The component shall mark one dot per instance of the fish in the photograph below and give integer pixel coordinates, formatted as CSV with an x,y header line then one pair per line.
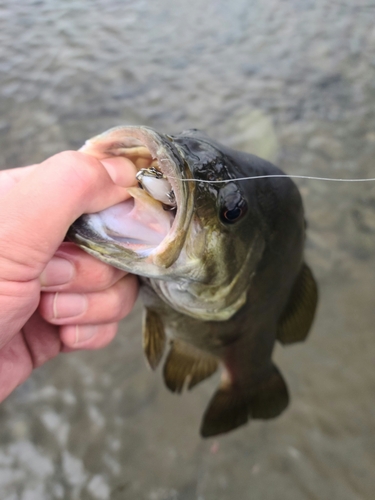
x,y
220,261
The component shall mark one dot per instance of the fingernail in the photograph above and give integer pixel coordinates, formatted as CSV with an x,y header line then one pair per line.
x,y
69,305
58,271
85,332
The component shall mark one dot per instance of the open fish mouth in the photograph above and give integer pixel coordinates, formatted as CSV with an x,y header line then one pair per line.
x,y
152,222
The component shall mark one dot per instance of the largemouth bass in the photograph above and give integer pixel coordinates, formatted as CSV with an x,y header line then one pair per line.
x,y
220,263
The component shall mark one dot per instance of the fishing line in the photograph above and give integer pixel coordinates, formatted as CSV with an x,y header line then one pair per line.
x,y
291,176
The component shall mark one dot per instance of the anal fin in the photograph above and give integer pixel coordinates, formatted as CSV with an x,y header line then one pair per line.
x,y
231,406
187,365
154,338
298,315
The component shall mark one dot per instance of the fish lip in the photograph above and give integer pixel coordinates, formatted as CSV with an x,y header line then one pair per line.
x,y
173,166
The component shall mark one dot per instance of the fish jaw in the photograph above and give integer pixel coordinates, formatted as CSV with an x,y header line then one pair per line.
x,y
138,235
139,221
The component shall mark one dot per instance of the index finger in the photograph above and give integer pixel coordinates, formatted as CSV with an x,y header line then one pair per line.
x,y
36,214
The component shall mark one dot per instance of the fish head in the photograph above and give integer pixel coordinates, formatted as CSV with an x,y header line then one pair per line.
x,y
225,237
141,235
204,247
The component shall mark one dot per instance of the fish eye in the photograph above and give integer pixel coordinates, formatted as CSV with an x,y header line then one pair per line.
x,y
233,205
231,215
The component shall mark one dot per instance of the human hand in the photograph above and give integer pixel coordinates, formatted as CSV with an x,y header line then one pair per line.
x,y
54,296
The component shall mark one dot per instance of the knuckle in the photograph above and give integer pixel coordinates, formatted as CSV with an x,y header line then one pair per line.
x,y
86,170
121,300
130,289
121,308
103,275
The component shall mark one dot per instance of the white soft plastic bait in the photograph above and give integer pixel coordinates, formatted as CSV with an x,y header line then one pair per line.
x,y
156,185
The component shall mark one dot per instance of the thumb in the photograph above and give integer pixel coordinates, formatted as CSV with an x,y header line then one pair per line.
x,y
37,212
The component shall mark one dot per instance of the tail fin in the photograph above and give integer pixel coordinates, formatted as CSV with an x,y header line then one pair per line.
x,y
232,406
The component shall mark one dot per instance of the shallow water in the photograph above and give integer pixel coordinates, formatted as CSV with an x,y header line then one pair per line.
x,y
291,81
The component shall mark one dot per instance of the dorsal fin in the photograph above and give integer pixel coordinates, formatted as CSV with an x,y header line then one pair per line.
x,y
153,337
187,365
296,320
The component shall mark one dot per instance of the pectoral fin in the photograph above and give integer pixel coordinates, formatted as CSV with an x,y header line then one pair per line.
x,y
232,406
187,365
296,320
153,337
